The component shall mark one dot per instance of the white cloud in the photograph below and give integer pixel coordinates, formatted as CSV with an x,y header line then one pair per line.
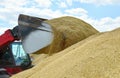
x,y
12,3
63,4
77,11
101,2
9,12
104,24
108,23
10,9
3,29
69,2
44,3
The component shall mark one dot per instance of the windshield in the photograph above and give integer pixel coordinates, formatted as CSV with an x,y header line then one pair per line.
x,y
19,54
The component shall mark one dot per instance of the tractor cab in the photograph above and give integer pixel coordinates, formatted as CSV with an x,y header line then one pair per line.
x,y
14,59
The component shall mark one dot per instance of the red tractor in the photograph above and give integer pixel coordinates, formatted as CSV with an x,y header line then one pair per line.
x,y
13,58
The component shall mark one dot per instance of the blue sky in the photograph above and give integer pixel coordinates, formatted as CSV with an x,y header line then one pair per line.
x,y
104,15
99,12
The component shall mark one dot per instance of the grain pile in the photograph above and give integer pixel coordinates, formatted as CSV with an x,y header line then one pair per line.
x,y
67,31
36,58
95,57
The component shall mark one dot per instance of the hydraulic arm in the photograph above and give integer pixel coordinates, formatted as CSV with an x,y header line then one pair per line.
x,y
8,37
